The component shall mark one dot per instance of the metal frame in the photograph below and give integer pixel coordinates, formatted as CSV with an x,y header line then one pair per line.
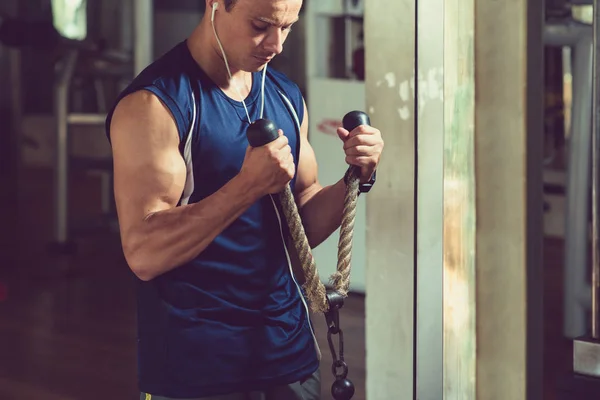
x,y
429,90
61,206
577,295
143,18
62,159
595,171
586,349
534,231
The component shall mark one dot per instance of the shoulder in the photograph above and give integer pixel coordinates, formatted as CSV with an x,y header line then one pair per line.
x,y
142,113
169,79
283,81
164,85
140,103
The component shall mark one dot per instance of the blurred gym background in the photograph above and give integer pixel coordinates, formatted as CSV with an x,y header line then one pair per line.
x,y
67,306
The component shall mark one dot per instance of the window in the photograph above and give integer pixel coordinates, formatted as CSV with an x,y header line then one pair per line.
x,y
70,18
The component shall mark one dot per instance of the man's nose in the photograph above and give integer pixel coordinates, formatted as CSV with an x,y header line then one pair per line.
x,y
274,42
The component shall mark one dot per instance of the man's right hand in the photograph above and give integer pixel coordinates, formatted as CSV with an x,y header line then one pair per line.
x,y
270,167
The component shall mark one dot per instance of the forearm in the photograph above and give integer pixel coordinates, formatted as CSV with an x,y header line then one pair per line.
x,y
322,212
167,239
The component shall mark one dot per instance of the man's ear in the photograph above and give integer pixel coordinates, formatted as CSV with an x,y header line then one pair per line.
x,y
214,5
209,6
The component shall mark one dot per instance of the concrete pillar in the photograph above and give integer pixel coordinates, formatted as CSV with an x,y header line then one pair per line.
x,y
454,227
460,312
508,159
390,243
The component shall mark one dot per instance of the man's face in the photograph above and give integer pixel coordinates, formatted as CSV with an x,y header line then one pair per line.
x,y
253,31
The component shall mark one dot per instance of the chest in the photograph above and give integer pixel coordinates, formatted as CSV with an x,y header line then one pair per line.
x,y
219,143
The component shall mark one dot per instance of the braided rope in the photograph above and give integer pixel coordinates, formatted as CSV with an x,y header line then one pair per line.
x,y
315,290
340,280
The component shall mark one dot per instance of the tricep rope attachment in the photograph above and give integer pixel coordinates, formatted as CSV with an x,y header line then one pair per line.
x,y
328,302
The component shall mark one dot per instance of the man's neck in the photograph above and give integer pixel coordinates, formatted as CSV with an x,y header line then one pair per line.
x,y
208,56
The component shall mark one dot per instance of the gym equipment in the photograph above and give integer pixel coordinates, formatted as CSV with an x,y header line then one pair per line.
x,y
586,349
94,60
578,38
331,301
99,66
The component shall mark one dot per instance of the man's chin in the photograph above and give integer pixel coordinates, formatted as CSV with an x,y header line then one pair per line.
x,y
257,65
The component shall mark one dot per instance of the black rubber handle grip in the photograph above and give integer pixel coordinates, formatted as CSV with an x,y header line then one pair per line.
x,y
354,119
261,132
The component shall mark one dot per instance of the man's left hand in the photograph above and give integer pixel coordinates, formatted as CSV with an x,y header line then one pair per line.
x,y
363,147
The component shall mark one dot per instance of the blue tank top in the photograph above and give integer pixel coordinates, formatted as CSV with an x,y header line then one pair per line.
x,y
234,318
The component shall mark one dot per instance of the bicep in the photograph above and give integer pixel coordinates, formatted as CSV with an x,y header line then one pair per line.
x,y
307,183
149,172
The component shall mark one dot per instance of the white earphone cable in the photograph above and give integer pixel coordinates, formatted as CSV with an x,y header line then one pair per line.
x,y
212,20
262,106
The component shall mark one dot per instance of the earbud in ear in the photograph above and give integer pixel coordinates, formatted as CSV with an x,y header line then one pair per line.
x,y
214,8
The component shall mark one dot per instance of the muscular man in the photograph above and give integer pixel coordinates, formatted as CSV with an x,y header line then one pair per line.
x,y
220,313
